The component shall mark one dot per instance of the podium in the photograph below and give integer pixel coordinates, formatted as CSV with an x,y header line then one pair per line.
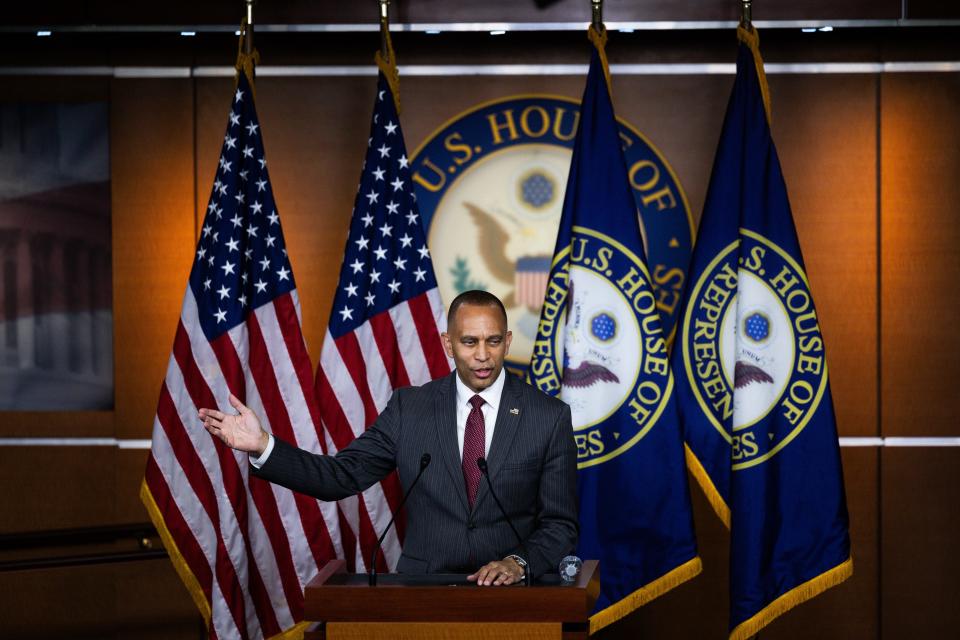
x,y
447,606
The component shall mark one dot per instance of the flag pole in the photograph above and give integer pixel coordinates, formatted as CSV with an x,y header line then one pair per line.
x,y
247,57
747,34
597,33
248,30
746,24
385,58
596,11
386,48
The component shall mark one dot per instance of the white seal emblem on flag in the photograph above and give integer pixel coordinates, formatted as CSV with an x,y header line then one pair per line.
x,y
752,346
609,356
601,338
490,185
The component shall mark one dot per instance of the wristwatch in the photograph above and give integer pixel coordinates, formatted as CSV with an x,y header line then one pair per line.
x,y
520,561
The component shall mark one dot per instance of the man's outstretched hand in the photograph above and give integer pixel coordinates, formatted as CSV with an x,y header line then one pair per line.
x,y
241,431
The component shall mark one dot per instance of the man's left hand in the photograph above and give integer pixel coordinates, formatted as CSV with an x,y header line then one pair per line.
x,y
498,572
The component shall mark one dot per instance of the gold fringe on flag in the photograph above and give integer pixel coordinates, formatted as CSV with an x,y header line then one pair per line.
x,y
801,593
748,35
645,594
599,40
189,580
179,564
387,62
706,485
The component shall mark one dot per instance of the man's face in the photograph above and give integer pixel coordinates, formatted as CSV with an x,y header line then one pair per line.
x,y
478,341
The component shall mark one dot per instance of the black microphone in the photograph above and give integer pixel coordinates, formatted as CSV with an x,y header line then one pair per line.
x,y
482,465
424,463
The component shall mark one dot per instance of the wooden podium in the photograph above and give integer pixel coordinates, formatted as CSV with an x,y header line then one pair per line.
x,y
447,606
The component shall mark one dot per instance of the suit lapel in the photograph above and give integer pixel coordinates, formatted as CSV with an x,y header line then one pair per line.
x,y
446,412
504,431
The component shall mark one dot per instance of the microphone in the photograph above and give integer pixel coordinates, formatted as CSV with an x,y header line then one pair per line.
x,y
482,465
372,576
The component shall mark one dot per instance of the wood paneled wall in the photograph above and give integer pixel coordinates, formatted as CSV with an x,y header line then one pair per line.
x,y
871,163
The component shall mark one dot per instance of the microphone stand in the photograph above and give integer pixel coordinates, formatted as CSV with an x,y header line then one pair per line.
x,y
372,575
482,465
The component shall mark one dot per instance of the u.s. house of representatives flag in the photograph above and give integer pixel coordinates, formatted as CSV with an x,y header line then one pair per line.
x,y
385,325
752,376
243,547
600,347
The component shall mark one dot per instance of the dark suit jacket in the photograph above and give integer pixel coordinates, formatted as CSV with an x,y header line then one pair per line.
x,y
532,465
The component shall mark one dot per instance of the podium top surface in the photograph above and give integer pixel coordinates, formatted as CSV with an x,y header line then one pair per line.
x,y
337,596
433,580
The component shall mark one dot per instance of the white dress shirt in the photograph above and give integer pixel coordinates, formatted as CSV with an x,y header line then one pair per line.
x,y
259,462
491,403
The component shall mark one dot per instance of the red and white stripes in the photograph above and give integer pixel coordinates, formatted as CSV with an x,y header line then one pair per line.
x,y
249,545
358,372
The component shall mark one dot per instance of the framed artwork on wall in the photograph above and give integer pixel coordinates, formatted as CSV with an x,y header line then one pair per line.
x,y
56,318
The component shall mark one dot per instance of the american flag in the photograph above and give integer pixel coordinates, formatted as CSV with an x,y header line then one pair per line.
x,y
385,324
243,547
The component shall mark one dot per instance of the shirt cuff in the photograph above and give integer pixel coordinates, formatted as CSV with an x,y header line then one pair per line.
x,y
259,462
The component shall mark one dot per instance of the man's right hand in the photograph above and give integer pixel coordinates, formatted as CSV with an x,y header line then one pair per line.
x,y
241,431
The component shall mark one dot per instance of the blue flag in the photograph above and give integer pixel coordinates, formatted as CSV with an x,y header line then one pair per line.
x,y
752,376
600,347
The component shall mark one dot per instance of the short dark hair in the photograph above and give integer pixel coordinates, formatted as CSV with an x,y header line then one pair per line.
x,y
477,298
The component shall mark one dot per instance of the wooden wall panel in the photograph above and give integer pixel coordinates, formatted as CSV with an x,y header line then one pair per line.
x,y
77,487
129,466
153,604
59,603
138,601
920,161
56,488
51,424
153,236
825,131
920,526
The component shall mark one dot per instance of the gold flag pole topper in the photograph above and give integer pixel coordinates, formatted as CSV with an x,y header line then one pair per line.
x,y
248,36
598,36
596,13
247,57
386,59
748,35
746,11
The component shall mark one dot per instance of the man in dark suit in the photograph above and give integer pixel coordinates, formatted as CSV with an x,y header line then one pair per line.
x,y
479,410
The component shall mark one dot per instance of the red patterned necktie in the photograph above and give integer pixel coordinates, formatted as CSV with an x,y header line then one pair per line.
x,y
473,448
